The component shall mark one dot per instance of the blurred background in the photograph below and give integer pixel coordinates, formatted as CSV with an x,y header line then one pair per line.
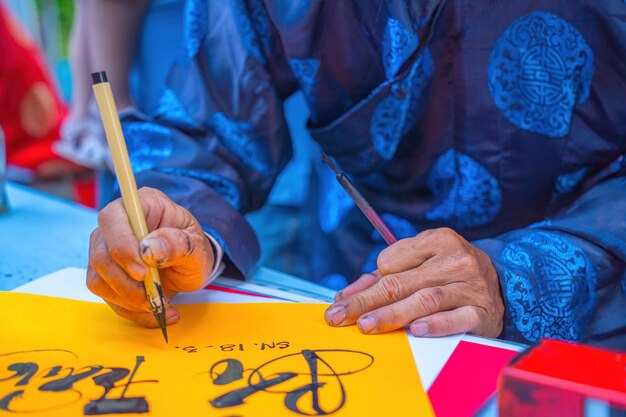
x,y
52,131
49,22
37,33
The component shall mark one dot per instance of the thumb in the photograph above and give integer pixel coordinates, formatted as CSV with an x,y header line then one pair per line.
x,y
186,251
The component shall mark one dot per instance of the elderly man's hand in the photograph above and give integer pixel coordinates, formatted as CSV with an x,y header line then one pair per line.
x,y
118,262
436,282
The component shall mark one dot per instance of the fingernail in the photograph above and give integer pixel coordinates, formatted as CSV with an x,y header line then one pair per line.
x,y
136,271
419,328
335,315
172,315
338,295
156,248
366,324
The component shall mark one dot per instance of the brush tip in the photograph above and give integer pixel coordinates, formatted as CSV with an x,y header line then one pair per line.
x,y
160,318
330,163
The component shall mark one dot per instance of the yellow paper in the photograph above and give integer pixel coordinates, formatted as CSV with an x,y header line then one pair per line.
x,y
71,358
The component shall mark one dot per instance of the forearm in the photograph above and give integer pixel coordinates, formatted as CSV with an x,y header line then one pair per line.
x,y
115,27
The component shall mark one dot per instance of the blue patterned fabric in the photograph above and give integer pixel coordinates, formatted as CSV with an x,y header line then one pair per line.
x,y
305,71
467,194
254,27
238,136
401,228
147,144
398,112
223,186
471,133
170,108
334,203
549,285
567,183
292,12
196,20
398,44
540,69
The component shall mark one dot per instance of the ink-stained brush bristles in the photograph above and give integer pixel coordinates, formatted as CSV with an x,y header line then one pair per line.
x,y
162,324
361,202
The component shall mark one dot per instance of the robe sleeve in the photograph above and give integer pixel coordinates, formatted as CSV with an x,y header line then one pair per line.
x,y
564,277
219,138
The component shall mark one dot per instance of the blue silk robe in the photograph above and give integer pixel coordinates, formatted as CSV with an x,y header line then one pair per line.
x,y
503,119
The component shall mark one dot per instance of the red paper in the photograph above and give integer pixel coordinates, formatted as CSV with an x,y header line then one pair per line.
x,y
468,379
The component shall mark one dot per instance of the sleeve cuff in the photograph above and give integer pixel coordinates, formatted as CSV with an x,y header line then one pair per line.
x,y
218,260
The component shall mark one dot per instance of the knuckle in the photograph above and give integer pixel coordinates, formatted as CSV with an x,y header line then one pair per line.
x,y
149,193
122,312
442,325
430,300
94,237
94,283
384,261
361,303
105,214
134,298
391,287
444,236
120,253
98,258
427,234
473,317
465,262
446,233
396,316
145,320
146,191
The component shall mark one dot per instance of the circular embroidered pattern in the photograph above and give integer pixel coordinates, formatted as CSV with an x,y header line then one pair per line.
x,y
540,69
549,286
468,195
396,114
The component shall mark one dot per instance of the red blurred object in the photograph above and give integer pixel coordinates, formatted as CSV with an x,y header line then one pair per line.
x,y
32,111
556,378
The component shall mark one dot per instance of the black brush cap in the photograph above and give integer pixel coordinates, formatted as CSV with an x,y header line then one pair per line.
x,y
99,77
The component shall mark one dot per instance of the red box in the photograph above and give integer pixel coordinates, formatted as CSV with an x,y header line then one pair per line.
x,y
556,378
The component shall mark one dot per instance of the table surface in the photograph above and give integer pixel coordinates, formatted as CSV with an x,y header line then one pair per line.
x,y
34,241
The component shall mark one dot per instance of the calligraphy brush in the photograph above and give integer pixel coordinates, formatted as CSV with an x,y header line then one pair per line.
x,y
128,188
361,202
